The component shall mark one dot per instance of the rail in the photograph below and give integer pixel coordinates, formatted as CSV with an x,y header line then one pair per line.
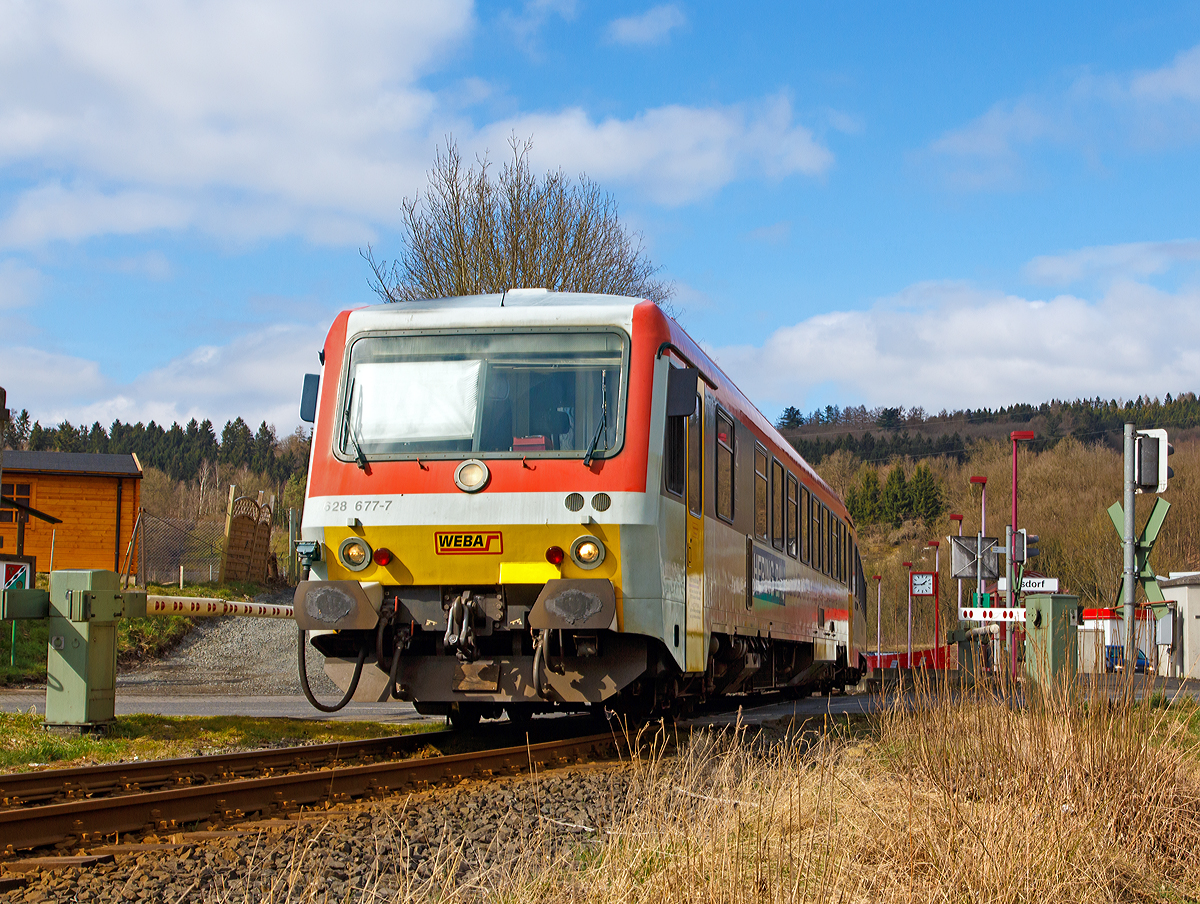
x,y
22,789
90,820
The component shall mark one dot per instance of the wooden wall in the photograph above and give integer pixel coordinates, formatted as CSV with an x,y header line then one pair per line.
x,y
88,536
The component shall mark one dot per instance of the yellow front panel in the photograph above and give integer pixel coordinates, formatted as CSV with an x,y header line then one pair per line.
x,y
469,554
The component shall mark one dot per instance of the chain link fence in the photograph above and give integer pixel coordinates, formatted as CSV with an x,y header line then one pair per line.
x,y
167,544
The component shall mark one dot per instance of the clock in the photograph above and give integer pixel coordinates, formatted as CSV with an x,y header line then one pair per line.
x,y
924,583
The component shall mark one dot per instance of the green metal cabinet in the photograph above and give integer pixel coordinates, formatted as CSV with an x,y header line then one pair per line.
x,y
1051,639
81,665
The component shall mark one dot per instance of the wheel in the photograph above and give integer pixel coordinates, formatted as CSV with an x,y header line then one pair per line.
x,y
464,718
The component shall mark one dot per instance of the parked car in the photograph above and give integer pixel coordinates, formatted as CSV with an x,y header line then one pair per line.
x,y
1114,659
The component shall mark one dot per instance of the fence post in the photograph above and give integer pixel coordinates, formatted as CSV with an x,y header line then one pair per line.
x,y
145,581
293,536
228,527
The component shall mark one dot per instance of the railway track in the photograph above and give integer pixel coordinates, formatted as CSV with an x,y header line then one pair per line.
x,y
221,797
24,789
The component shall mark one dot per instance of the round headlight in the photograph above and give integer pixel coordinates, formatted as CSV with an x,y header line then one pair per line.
x,y
354,553
587,551
471,476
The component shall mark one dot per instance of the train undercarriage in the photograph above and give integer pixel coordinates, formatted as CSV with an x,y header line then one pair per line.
x,y
480,652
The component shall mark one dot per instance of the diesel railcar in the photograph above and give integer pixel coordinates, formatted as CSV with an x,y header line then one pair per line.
x,y
536,500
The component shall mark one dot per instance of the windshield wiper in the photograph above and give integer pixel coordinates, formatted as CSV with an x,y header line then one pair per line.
x,y
600,428
591,451
358,452
359,458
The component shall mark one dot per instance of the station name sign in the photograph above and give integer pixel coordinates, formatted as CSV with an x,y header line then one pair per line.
x,y
1031,585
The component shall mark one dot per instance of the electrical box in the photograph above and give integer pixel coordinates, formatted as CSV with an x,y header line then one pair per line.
x,y
81,664
1052,623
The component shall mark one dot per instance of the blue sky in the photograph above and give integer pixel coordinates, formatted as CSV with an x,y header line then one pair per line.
x,y
858,203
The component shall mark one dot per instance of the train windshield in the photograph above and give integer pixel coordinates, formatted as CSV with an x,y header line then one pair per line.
x,y
553,394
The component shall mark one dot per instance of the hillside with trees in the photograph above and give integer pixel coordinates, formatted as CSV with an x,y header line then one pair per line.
x,y
881,434
1064,491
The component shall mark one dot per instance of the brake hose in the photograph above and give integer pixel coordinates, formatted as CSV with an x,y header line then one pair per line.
x,y
301,645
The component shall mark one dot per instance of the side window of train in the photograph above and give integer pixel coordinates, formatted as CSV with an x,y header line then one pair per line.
x,y
792,519
674,456
837,548
830,544
760,492
819,542
777,515
695,451
805,526
841,549
724,467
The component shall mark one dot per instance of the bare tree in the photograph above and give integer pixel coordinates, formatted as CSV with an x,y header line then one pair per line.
x,y
472,235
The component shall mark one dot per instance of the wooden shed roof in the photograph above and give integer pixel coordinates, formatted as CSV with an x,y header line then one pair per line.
x,y
80,463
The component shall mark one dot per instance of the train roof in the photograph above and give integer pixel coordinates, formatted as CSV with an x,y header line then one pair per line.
x,y
514,307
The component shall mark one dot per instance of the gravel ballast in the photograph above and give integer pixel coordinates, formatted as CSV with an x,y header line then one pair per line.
x,y
233,655
381,850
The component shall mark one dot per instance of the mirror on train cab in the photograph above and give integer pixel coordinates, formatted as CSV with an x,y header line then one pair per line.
x,y
681,391
308,398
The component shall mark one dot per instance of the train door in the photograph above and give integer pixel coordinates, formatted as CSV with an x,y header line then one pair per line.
x,y
694,656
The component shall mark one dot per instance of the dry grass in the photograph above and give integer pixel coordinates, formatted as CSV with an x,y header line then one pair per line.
x,y
955,799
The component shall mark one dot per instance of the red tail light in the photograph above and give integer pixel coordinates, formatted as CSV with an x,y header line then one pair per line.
x,y
382,556
555,555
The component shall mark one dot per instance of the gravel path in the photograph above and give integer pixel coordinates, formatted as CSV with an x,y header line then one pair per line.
x,y
387,850
233,655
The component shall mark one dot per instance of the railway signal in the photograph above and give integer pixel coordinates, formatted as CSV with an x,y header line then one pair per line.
x,y
1151,471
1146,471
1023,545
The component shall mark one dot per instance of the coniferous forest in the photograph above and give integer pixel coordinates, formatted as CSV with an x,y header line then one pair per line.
x,y
178,451
882,434
185,465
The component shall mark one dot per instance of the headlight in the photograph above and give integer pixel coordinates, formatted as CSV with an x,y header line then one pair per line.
x,y
471,476
587,551
354,553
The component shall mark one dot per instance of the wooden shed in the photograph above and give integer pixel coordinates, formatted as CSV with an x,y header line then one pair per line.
x,y
95,496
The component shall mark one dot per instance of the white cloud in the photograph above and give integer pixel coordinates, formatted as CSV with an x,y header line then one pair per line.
x,y
279,118
526,26
19,284
1178,81
1140,111
953,345
673,154
986,152
52,211
652,27
255,376
1133,259
167,113
775,234
996,133
152,264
